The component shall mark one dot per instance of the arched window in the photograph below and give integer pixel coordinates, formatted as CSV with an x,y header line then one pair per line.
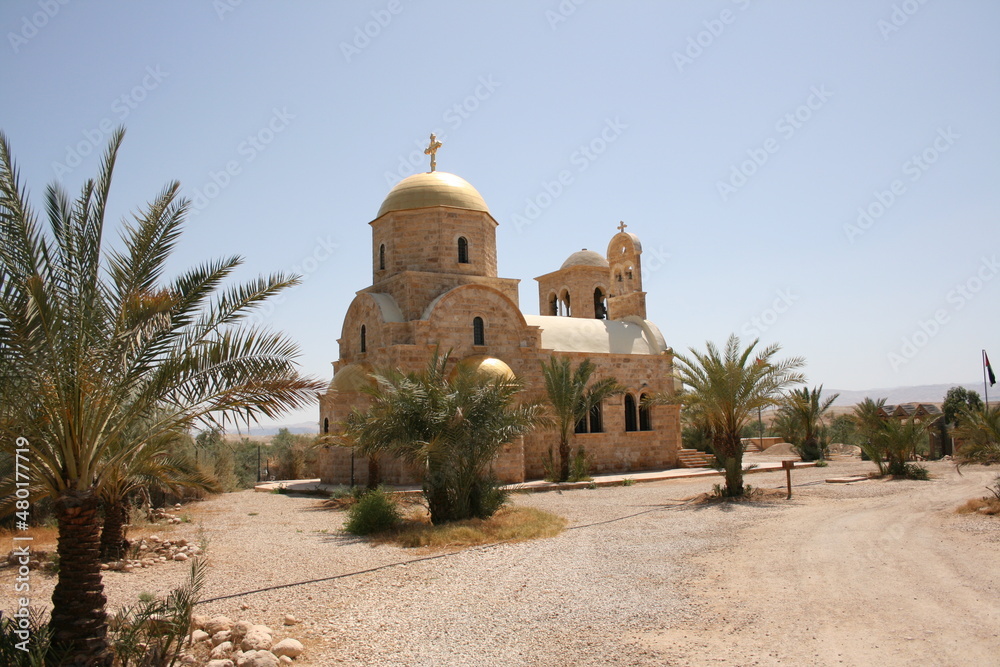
x,y
645,424
553,304
628,273
581,426
381,257
463,250
596,419
618,276
630,414
566,307
326,425
478,332
600,305
364,339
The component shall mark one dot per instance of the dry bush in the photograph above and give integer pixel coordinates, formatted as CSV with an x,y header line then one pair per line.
x,y
510,524
987,505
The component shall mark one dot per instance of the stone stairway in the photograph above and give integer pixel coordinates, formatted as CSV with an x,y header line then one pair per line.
x,y
692,458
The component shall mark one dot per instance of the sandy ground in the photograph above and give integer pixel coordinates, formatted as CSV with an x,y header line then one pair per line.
x,y
876,572
881,572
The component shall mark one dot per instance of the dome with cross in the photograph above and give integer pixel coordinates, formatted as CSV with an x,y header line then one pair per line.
x,y
434,188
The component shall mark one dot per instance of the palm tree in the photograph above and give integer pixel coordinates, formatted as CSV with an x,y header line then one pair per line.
x,y
805,410
729,386
786,427
696,432
868,418
94,341
154,465
979,428
572,397
901,439
889,442
453,426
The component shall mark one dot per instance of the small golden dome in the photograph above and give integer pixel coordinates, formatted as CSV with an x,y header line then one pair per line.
x,y
353,377
435,188
485,364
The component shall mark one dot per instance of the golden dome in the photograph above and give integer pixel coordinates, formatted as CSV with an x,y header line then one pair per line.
x,y
353,377
585,258
485,364
434,188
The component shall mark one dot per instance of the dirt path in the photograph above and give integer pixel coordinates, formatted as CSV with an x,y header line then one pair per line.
x,y
875,573
878,573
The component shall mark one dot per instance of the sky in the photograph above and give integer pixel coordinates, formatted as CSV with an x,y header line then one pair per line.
x,y
822,175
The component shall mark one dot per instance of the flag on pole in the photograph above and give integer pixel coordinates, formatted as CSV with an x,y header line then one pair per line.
x,y
989,369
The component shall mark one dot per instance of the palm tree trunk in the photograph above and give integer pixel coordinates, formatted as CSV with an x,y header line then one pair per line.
x,y
79,623
374,474
732,459
113,543
563,459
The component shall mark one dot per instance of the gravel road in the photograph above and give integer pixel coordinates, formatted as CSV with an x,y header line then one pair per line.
x,y
878,571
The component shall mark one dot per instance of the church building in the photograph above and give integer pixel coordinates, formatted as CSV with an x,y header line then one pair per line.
x,y
435,287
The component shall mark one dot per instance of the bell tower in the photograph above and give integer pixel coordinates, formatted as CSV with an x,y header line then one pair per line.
x,y
626,297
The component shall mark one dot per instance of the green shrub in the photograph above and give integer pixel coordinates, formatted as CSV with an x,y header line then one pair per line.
x,y
914,471
152,632
375,512
822,463
27,646
486,498
694,437
579,467
339,492
549,467
811,450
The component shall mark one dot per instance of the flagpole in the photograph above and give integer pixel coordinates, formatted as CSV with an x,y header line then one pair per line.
x,y
986,391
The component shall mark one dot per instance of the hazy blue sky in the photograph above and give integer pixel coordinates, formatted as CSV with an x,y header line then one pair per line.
x,y
820,174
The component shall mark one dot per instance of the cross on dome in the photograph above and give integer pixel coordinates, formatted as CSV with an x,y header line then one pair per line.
x,y
622,226
432,149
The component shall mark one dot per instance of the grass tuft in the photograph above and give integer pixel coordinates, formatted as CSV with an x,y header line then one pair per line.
x,y
510,524
986,505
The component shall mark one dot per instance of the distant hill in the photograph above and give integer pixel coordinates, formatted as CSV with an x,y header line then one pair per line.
x,y
927,393
306,428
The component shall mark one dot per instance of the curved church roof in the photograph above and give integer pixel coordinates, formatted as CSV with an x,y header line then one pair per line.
x,y
585,258
577,334
434,188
